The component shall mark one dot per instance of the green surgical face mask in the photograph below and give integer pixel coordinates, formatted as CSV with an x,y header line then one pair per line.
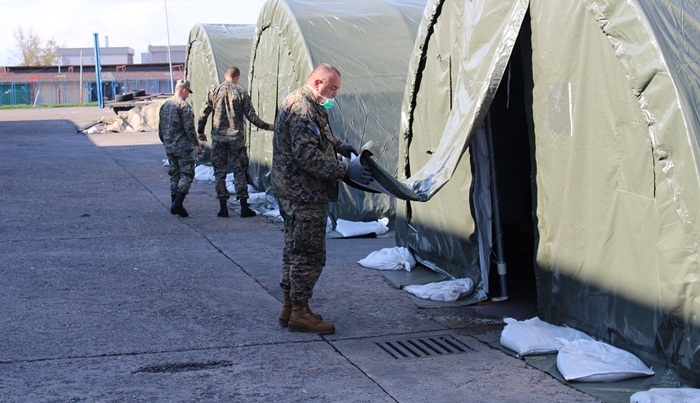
x,y
329,101
328,104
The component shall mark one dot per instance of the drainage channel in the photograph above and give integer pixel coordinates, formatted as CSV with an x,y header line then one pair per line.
x,y
424,347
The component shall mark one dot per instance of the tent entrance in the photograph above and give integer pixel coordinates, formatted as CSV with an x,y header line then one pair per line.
x,y
511,131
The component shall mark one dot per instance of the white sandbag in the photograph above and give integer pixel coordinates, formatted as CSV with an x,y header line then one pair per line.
x,y
357,228
667,395
535,336
203,173
447,291
396,258
595,361
257,198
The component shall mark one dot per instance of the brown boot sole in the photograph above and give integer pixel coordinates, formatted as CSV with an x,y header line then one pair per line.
x,y
284,322
299,328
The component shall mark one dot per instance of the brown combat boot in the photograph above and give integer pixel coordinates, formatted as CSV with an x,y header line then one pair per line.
x,y
303,320
287,311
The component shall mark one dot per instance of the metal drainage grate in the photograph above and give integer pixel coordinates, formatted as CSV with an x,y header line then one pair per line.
x,y
183,367
424,347
120,150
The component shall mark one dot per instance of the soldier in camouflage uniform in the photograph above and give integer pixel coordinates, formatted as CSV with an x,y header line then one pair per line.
x,y
229,102
305,174
176,131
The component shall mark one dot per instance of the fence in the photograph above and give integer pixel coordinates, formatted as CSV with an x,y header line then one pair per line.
x,y
59,89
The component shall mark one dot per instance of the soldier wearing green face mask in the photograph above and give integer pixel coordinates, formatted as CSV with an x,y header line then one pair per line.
x,y
305,174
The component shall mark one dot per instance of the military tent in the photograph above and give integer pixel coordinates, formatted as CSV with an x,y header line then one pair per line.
x,y
211,50
370,42
590,109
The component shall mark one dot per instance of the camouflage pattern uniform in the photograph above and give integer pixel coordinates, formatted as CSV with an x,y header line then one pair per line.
x,y
176,131
229,103
305,173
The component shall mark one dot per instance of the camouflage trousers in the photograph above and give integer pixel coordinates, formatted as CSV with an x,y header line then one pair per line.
x,y
304,253
181,172
236,153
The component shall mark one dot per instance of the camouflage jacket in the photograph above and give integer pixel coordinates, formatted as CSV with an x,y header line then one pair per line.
x,y
229,103
304,162
176,127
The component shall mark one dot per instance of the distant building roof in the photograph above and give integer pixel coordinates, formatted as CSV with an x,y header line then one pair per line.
x,y
103,51
173,48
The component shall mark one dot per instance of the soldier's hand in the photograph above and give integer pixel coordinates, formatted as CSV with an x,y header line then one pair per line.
x,y
346,150
359,173
199,150
271,126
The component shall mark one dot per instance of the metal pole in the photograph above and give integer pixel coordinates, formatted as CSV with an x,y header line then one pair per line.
x,y
80,88
36,98
98,73
500,255
167,30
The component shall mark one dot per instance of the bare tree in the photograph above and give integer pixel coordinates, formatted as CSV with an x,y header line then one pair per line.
x,y
32,51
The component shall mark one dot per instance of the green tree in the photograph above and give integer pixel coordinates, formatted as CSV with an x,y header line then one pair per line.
x,y
32,50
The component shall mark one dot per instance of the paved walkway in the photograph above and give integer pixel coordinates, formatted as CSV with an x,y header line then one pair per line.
x,y
107,297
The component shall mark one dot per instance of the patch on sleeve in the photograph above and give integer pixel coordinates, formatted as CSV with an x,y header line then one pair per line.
x,y
315,129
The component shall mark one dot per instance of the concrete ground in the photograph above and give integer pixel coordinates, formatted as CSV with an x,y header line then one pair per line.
x,y
107,297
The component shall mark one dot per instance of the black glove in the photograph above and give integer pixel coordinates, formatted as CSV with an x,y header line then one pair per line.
x,y
346,149
359,173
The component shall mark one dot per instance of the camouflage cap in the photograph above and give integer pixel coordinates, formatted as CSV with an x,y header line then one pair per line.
x,y
184,84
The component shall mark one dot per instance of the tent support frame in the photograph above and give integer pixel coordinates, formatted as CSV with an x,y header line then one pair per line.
x,y
500,255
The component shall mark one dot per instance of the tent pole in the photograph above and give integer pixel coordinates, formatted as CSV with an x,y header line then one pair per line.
x,y
500,256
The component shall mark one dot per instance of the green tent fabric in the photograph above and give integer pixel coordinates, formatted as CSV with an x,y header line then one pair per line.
x,y
370,42
211,50
608,95
618,183
446,100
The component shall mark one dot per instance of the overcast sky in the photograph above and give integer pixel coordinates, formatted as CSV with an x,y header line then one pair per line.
x,y
131,23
